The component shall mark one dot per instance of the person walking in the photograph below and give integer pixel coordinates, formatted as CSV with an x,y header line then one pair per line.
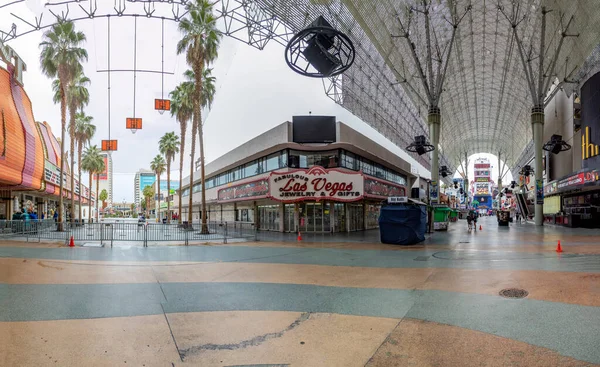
x,y
474,215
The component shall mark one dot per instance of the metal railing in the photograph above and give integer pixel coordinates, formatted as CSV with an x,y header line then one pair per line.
x,y
127,232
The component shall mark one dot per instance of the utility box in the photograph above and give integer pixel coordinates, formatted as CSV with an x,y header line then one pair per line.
x,y
402,221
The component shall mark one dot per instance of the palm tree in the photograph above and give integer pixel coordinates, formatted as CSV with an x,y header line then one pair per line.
x,y
200,43
61,57
93,163
148,194
169,146
158,166
84,132
103,197
182,109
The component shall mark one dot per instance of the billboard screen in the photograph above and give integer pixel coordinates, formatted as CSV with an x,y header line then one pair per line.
x,y
146,181
313,129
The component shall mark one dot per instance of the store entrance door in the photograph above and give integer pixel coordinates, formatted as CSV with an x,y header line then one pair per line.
x,y
314,217
356,217
268,217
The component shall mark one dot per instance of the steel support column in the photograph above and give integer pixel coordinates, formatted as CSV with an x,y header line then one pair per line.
x,y
537,123
434,119
500,169
466,180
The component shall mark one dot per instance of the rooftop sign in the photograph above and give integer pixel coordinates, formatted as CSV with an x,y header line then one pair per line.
x,y
316,183
14,62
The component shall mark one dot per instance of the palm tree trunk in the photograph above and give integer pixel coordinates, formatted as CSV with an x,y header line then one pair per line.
x,y
79,148
158,206
181,170
97,196
194,129
90,201
201,142
63,123
168,189
72,141
197,109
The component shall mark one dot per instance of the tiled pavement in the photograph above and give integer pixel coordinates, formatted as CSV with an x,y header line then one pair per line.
x,y
328,301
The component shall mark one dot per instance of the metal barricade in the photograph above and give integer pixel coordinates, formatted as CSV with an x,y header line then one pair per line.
x,y
125,232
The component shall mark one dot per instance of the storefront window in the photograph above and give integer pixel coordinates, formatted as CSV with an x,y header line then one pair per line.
x,y
250,169
349,161
273,162
283,159
307,160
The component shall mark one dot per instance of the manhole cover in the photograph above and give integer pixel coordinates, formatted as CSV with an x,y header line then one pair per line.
x,y
514,293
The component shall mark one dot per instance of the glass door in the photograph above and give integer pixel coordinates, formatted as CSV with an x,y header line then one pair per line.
x,y
327,217
288,218
356,217
339,214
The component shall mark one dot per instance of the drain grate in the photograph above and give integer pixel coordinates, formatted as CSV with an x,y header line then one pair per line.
x,y
422,258
514,293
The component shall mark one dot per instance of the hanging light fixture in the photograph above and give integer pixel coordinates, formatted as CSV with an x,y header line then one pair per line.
x,y
320,46
420,145
526,171
444,171
556,145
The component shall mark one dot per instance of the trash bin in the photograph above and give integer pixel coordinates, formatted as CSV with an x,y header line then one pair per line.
x,y
441,218
403,223
503,217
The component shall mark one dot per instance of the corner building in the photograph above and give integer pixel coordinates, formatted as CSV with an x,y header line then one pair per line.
x,y
311,175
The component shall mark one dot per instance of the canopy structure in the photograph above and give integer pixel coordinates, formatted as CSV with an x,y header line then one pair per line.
x,y
459,55
485,99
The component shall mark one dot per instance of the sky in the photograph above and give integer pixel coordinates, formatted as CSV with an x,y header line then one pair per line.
x,y
255,92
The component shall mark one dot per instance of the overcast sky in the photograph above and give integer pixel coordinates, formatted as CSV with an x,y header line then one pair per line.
x,y
255,92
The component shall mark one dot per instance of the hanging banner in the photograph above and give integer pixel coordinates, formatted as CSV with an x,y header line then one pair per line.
x,y
539,191
316,183
433,192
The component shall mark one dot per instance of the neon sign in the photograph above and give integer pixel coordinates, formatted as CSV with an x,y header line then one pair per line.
x,y
10,57
588,150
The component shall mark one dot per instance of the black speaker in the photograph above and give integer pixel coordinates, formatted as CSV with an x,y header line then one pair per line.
x,y
317,55
325,39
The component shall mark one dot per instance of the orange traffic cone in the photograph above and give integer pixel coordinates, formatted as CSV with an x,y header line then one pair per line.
x,y
480,227
559,247
71,242
299,237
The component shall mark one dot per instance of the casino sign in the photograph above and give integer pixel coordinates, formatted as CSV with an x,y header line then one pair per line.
x,y
316,183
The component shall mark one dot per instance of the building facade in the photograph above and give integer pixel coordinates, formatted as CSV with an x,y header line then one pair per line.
x,y
482,183
571,193
142,179
106,178
296,177
30,154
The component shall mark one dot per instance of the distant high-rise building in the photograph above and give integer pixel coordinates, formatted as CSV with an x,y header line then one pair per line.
x,y
481,186
106,178
142,179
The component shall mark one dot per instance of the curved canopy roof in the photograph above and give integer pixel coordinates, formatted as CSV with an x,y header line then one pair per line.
x,y
485,98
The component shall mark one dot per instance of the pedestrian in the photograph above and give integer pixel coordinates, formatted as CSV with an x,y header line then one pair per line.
x,y
469,222
474,216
